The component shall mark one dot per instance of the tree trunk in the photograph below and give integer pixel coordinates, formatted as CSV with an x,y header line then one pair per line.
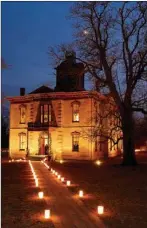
x,y
129,158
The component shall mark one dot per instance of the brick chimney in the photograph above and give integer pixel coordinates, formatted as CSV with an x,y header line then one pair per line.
x,y
22,91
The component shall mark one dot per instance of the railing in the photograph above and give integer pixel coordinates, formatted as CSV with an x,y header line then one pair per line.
x,y
38,125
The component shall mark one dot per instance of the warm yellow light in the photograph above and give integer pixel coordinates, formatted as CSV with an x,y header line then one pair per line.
x,y
100,210
68,183
36,181
61,161
98,162
56,173
62,179
59,176
9,160
40,194
47,214
81,193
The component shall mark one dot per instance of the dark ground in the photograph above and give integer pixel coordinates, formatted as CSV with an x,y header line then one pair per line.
x,y
20,205
122,190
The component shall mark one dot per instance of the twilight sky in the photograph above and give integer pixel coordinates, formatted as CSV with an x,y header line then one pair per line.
x,y
28,29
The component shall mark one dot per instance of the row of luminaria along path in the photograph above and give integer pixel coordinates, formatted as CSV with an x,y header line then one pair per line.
x,y
47,213
100,209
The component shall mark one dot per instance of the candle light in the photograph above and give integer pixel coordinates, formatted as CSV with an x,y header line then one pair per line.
x,y
98,162
40,194
36,181
62,179
59,177
80,193
47,214
100,210
68,183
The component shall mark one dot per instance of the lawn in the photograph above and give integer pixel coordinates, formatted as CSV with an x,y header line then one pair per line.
x,y
21,207
122,190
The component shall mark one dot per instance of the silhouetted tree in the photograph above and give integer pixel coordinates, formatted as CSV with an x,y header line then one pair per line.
x,y
110,41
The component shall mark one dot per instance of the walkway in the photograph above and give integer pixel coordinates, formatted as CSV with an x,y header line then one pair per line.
x,y
66,211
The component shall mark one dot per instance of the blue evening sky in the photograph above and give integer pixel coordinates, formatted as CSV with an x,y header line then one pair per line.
x,y
28,29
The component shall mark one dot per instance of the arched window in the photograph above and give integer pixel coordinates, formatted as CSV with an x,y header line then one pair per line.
x,y
75,111
22,141
22,114
75,141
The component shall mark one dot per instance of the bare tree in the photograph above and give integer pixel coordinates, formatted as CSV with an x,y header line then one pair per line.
x,y
110,41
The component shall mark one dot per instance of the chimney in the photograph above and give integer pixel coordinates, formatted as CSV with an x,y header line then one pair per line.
x,y
22,91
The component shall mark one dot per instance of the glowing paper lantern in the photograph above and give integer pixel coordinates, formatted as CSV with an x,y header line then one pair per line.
x,y
80,193
36,181
40,194
47,214
62,179
68,183
100,210
98,162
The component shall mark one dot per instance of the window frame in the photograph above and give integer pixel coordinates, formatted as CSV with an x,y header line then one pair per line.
x,y
75,138
75,110
22,140
22,106
42,113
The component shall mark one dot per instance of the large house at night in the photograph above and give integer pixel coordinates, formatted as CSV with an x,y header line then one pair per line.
x,y
52,120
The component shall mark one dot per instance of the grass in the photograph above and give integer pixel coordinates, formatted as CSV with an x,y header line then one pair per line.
x,y
20,205
122,190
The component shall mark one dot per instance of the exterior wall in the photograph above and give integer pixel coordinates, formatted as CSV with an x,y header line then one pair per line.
x,y
15,129
62,145
61,132
14,149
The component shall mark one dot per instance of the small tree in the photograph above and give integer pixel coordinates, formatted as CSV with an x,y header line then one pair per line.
x,y
110,41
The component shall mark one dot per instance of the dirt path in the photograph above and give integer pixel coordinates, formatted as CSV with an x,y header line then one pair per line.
x,y
66,211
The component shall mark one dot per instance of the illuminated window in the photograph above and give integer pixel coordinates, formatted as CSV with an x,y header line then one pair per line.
x,y
22,141
75,141
22,114
46,113
75,111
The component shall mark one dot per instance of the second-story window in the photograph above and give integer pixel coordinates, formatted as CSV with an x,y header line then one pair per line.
x,y
22,114
46,113
75,111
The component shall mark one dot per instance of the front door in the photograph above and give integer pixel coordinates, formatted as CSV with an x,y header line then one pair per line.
x,y
43,143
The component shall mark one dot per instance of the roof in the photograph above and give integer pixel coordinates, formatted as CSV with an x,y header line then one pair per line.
x,y
42,89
